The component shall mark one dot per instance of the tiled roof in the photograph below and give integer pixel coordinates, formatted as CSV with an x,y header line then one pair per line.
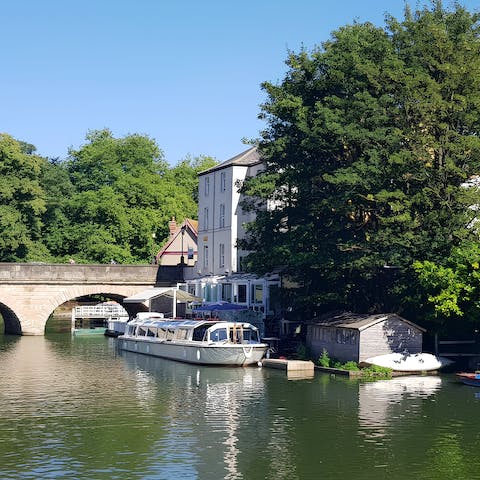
x,y
247,158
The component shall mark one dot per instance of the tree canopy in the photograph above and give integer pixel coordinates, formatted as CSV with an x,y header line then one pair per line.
x,y
22,200
111,199
369,139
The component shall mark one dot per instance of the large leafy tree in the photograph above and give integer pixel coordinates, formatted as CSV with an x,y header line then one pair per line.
x,y
22,201
123,195
115,211
368,141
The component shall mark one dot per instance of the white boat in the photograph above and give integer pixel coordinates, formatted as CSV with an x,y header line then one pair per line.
x,y
194,341
409,362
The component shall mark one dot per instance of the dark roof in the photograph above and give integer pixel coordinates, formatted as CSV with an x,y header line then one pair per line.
x,y
357,321
246,159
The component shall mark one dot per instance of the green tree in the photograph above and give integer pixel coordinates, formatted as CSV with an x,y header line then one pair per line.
x,y
451,289
58,188
123,193
22,201
368,141
185,175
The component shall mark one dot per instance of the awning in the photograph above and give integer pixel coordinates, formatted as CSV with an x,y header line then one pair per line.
x,y
180,295
215,306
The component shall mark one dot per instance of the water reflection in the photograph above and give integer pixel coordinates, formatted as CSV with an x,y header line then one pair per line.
x,y
221,398
75,408
378,399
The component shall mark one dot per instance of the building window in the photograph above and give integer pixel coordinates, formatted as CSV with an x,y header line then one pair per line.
x,y
205,218
207,186
227,292
223,181
221,258
257,293
205,256
241,296
222,215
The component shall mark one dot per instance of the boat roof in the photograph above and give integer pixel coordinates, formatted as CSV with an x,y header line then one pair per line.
x,y
172,324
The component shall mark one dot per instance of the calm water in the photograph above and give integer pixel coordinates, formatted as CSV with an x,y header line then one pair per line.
x,y
77,408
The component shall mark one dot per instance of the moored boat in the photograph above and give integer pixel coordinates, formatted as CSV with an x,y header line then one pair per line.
x,y
409,362
194,341
472,379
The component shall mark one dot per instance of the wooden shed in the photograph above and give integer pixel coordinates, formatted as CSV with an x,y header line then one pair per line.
x,y
352,336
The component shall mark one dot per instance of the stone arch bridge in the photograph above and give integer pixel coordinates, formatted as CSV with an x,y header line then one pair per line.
x,y
29,293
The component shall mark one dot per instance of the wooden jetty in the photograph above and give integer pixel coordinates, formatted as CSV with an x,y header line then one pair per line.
x,y
296,369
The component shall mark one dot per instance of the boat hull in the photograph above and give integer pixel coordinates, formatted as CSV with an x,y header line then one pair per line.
x,y
471,379
89,331
201,353
413,362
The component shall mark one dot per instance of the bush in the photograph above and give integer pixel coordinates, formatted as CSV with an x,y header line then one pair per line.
x,y
376,371
324,359
350,366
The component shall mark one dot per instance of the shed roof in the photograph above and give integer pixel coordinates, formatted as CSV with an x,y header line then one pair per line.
x,y
358,321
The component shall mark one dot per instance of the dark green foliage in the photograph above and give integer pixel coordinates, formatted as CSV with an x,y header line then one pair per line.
x,y
369,139
22,201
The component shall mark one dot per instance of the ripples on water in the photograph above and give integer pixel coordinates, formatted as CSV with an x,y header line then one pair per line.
x,y
77,408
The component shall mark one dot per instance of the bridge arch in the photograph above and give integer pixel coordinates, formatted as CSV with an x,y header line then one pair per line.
x,y
11,321
107,292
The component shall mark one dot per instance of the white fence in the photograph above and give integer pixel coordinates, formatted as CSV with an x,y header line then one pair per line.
x,y
106,311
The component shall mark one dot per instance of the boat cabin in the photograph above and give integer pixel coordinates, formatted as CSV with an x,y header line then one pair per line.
x,y
193,330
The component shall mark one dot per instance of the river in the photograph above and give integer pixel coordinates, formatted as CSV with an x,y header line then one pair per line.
x,y
78,408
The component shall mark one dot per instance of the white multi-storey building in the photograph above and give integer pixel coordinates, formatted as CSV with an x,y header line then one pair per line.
x,y
219,275
221,219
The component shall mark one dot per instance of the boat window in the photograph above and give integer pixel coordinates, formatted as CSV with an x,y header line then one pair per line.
x,y
250,336
161,333
170,334
199,333
142,331
182,334
218,335
151,332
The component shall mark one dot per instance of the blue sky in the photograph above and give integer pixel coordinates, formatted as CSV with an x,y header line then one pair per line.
x,y
186,73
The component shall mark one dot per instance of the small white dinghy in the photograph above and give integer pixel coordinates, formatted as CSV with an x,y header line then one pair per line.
x,y
409,362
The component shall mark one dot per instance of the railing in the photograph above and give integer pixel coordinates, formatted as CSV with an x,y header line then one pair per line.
x,y
100,311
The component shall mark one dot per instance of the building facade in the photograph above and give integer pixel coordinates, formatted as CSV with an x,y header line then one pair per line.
x,y
181,247
219,274
350,336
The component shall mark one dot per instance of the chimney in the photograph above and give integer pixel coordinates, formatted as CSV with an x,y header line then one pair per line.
x,y
172,226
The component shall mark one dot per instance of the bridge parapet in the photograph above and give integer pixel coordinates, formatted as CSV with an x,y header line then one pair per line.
x,y
55,273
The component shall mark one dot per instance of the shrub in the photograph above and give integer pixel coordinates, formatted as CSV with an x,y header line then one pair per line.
x,y
351,365
376,371
324,359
